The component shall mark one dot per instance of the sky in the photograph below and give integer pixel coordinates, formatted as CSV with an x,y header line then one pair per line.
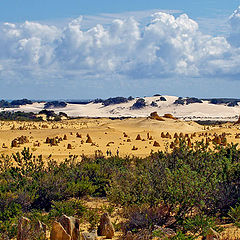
x,y
97,49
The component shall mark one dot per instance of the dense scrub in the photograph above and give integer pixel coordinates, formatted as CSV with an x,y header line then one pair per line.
x,y
112,101
18,116
187,101
52,116
54,104
230,102
14,103
23,116
187,190
140,103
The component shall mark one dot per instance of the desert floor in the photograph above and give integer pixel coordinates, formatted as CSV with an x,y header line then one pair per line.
x,y
108,135
117,136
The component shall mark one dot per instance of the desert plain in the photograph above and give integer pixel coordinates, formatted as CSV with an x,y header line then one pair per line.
x,y
103,136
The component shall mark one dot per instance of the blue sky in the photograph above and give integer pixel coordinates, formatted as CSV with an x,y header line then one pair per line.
x,y
21,10
87,49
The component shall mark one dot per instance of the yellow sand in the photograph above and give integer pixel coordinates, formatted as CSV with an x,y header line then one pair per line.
x,y
106,134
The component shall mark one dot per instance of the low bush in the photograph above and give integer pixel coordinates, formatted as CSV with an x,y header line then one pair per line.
x,y
116,100
234,214
140,103
18,116
71,207
55,104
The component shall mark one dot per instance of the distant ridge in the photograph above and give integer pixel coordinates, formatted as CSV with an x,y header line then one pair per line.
x,y
186,108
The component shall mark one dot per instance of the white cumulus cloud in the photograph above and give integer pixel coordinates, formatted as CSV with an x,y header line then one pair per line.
x,y
166,46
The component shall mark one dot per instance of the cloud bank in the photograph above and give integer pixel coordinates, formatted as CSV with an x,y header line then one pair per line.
x,y
165,47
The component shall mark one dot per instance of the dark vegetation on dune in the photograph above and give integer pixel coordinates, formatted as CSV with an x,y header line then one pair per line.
x,y
163,99
23,116
52,116
14,103
189,190
210,122
112,101
18,116
230,102
140,103
82,102
55,104
188,100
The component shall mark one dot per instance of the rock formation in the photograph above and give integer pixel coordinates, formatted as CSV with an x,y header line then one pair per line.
x,y
78,135
134,148
58,232
168,135
175,135
14,143
168,115
238,121
53,142
172,145
217,140
138,137
125,135
66,228
156,144
89,140
163,135
189,143
105,228
71,225
155,116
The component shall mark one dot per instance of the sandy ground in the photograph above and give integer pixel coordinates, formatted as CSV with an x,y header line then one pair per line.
x,y
106,135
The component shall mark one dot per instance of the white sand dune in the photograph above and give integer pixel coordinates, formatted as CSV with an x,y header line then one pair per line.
x,y
194,111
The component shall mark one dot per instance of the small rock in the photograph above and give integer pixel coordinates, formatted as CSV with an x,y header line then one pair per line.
x,y
89,140
156,144
166,232
89,236
14,143
106,228
138,137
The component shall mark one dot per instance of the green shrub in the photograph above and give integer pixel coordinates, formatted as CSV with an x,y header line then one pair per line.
x,y
145,217
9,219
199,225
234,214
182,236
70,208
92,216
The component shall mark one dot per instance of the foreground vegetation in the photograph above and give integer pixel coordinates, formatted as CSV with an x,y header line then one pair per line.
x,y
189,190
